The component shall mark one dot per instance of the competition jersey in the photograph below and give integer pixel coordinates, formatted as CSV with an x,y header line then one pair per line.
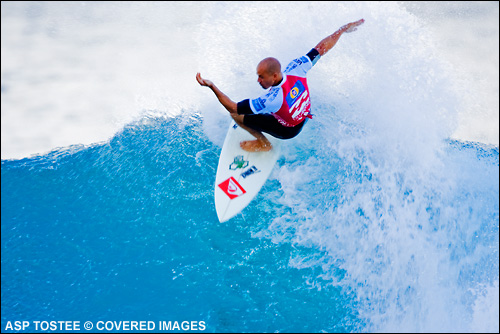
x,y
289,102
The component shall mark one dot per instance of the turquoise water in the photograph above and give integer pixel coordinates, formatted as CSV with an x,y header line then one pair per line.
x,y
127,230
376,218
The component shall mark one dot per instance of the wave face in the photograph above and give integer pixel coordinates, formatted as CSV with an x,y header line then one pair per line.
x,y
372,220
352,241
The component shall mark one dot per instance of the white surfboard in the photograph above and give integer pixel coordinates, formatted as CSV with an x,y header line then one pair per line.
x,y
241,174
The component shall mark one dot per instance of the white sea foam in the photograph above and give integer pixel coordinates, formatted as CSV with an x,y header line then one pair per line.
x,y
371,182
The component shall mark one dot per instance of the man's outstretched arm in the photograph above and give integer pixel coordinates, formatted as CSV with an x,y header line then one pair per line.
x,y
329,42
229,104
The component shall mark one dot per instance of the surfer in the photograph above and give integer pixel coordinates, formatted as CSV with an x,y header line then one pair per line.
x,y
284,109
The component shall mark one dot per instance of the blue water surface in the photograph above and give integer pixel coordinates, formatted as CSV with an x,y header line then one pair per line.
x,y
127,230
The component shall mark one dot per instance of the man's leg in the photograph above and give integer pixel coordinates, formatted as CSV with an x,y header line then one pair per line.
x,y
258,145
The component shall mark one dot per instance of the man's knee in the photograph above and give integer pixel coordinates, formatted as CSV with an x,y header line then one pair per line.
x,y
238,118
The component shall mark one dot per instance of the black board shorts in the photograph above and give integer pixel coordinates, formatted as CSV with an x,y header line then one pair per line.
x,y
266,122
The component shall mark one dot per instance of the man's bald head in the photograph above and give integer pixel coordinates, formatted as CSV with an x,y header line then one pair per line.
x,y
270,65
269,72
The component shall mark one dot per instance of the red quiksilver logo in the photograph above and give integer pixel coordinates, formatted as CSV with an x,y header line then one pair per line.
x,y
232,188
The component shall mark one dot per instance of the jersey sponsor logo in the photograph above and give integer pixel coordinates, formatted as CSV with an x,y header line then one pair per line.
x,y
291,66
259,104
303,59
301,106
295,63
295,93
232,188
271,95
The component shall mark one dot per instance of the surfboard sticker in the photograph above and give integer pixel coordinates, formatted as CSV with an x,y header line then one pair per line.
x,y
238,163
232,188
250,171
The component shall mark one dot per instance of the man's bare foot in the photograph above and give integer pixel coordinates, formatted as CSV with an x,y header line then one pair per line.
x,y
255,146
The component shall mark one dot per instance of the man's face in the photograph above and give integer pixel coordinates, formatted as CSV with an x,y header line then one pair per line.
x,y
265,79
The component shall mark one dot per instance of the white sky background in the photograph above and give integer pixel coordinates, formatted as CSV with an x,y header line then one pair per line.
x,y
77,72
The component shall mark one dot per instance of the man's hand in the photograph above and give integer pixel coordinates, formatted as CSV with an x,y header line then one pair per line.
x,y
229,104
329,42
353,26
203,82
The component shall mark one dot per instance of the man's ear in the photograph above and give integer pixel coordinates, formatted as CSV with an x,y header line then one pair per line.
x,y
276,76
